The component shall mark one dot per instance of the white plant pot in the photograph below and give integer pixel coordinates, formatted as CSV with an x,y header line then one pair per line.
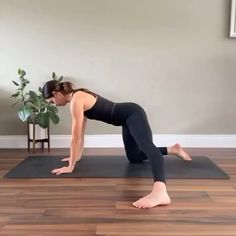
x,y
40,133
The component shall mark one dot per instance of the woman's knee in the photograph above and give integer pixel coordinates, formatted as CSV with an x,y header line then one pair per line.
x,y
137,157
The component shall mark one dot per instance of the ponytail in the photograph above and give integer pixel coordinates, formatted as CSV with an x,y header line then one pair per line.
x,y
65,87
56,86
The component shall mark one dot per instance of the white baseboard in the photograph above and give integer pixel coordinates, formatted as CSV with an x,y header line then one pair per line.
x,y
103,141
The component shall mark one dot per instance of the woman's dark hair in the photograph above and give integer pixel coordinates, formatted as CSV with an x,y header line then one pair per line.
x,y
63,87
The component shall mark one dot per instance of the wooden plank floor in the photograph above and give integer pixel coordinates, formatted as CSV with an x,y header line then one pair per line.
x,y
80,206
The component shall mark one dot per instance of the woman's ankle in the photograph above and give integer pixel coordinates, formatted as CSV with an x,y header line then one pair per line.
x,y
173,150
158,185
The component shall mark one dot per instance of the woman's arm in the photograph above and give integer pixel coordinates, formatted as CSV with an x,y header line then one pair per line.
x,y
81,147
77,134
81,143
77,130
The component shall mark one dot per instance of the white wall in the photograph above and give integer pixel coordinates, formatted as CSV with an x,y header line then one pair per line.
x,y
173,57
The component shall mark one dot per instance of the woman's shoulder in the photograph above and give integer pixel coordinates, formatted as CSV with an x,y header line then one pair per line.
x,y
86,91
83,98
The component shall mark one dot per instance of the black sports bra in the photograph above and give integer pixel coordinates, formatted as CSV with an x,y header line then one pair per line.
x,y
101,110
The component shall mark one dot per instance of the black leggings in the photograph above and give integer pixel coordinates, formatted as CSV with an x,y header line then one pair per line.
x,y
137,138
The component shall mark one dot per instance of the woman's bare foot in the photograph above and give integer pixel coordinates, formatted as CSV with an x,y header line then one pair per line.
x,y
158,196
178,151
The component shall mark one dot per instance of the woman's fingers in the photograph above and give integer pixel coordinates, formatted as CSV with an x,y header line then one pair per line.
x,y
62,170
56,171
66,159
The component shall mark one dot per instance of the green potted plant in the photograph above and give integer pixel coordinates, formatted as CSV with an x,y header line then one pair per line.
x,y
33,108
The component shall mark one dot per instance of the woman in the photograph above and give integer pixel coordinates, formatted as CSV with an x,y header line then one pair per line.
x,y
136,133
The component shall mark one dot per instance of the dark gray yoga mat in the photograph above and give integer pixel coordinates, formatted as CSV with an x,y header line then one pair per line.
x,y
116,166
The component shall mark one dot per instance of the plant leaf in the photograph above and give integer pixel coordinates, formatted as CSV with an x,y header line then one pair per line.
x,y
26,81
33,96
54,117
52,108
24,113
54,76
15,94
40,89
15,83
42,119
60,79
22,74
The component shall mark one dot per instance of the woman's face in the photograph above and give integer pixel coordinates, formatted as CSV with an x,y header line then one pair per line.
x,y
58,99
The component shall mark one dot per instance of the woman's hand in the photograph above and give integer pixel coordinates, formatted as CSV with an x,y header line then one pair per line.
x,y
66,159
65,169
